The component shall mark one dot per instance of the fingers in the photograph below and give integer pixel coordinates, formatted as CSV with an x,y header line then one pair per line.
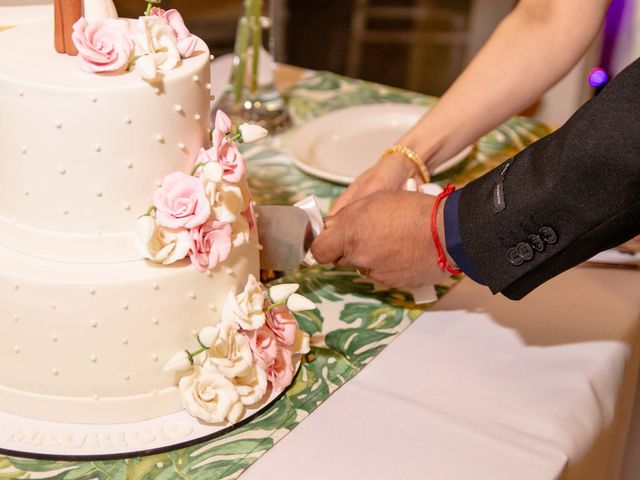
x,y
328,247
343,200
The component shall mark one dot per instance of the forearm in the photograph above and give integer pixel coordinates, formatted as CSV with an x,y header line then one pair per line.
x,y
534,47
563,199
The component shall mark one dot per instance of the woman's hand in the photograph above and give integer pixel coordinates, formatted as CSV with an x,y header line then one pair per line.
x,y
387,237
390,173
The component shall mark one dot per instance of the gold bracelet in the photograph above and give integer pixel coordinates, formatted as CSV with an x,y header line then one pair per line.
x,y
411,155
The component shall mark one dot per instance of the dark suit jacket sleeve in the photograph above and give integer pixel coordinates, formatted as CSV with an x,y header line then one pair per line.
x,y
583,182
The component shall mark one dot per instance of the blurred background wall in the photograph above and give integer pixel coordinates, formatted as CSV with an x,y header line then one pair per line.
x,y
422,45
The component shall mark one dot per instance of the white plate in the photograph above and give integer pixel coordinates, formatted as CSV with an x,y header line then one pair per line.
x,y
341,145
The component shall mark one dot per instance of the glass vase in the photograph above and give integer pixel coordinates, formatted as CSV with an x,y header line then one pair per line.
x,y
252,95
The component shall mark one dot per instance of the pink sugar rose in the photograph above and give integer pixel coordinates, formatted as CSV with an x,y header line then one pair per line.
x,y
280,374
204,155
181,202
103,45
223,123
185,40
283,324
231,160
264,346
211,243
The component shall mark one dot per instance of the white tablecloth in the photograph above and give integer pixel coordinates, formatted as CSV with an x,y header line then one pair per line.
x,y
484,388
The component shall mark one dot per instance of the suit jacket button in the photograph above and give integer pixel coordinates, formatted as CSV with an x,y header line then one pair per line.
x,y
525,251
514,257
536,242
548,235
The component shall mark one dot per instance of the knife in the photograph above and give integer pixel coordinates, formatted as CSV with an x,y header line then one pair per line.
x,y
285,234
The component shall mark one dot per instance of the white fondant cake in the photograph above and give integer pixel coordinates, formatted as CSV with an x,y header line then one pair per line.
x,y
88,325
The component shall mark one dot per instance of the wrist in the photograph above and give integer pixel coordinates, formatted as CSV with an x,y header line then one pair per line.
x,y
442,232
401,164
443,258
424,145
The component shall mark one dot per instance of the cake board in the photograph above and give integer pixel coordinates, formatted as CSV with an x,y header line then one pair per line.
x,y
46,440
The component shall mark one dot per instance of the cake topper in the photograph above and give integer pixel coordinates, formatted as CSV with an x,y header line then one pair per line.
x,y
66,13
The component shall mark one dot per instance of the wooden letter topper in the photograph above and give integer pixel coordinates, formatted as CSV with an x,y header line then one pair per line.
x,y
67,12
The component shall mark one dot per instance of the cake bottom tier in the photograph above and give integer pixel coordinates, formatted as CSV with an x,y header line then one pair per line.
x,y
86,343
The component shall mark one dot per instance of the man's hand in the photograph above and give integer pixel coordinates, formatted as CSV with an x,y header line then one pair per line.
x,y
387,237
390,173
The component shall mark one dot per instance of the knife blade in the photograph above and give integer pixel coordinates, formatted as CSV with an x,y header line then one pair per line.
x,y
285,234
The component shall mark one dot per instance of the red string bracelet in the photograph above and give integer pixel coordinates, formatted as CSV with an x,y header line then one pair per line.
x,y
442,259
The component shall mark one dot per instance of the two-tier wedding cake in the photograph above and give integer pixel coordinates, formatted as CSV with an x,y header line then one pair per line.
x,y
105,158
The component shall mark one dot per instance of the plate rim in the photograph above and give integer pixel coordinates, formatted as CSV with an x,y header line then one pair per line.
x,y
299,134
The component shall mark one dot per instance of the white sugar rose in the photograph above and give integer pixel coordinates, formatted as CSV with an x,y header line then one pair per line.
x,y
161,245
208,395
245,309
155,40
229,203
211,178
252,386
232,355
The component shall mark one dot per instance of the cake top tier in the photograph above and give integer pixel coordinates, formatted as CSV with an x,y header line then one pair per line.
x,y
81,153
27,56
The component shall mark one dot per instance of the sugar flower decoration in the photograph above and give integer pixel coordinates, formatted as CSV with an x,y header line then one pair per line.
x,y
202,214
185,41
239,359
209,395
181,202
104,46
211,244
155,45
